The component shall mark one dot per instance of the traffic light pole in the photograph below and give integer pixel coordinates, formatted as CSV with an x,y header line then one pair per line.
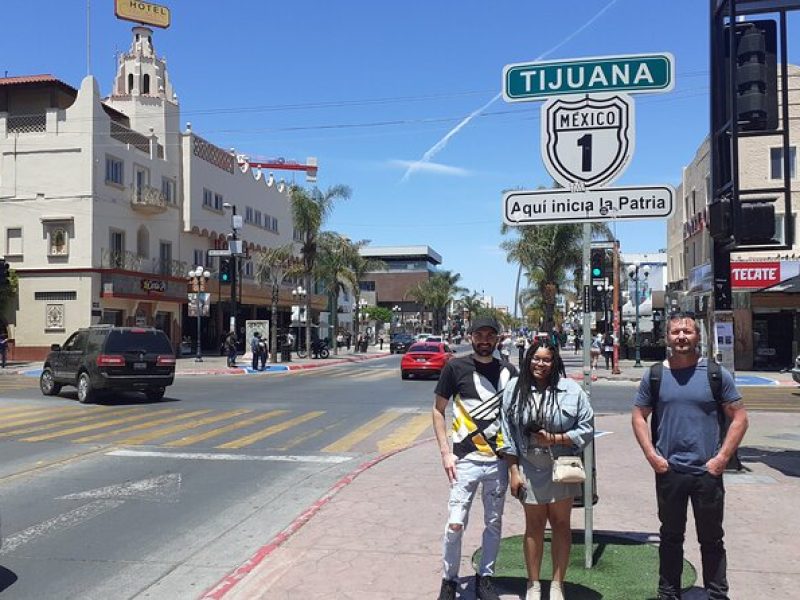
x,y
615,316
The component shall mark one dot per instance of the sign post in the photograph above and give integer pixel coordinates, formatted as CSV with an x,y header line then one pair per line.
x,y
587,140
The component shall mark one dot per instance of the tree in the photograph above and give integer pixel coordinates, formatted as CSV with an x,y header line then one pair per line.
x,y
310,209
333,271
380,314
8,294
273,266
436,294
360,266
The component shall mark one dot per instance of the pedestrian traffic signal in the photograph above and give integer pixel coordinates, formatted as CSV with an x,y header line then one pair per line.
x,y
5,274
598,263
756,75
225,269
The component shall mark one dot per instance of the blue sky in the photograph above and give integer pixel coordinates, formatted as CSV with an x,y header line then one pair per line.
x,y
369,87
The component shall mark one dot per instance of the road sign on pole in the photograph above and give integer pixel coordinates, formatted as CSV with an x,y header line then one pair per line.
x,y
635,73
564,206
223,252
587,141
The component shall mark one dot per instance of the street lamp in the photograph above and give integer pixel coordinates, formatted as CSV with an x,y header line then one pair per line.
x,y
397,315
235,247
299,295
198,278
636,272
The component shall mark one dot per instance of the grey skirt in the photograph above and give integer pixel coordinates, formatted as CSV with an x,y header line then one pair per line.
x,y
537,474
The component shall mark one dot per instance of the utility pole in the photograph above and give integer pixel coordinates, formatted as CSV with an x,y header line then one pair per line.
x,y
615,316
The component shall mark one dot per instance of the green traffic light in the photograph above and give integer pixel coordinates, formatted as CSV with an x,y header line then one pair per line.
x,y
595,272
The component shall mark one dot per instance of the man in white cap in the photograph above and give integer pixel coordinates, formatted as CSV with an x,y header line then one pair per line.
x,y
475,383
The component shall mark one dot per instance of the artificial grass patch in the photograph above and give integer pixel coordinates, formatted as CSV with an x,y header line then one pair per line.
x,y
624,569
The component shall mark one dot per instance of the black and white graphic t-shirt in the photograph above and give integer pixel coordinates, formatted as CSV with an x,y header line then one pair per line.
x,y
477,392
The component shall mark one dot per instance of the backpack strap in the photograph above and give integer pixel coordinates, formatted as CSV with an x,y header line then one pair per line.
x,y
656,373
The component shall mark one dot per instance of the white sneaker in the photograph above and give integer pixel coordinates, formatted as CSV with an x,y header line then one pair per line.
x,y
534,591
556,591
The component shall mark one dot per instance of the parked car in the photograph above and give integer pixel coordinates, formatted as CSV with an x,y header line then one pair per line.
x,y
110,358
421,337
796,370
425,358
400,342
434,339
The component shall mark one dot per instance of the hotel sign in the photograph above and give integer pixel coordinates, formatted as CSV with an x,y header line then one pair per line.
x,y
142,12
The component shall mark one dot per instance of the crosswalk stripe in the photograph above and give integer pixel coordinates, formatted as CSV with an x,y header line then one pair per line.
x,y
58,423
406,434
140,426
346,443
147,437
32,414
299,439
193,439
260,435
92,426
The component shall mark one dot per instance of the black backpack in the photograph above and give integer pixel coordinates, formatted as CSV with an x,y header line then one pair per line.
x,y
715,381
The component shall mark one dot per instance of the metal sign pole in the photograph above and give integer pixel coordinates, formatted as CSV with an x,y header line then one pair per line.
x,y
588,452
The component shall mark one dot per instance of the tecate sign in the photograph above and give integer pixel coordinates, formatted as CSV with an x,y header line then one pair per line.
x,y
602,74
761,274
603,204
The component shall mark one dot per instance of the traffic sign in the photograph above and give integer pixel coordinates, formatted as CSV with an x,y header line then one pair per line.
x,y
635,73
223,252
565,206
588,140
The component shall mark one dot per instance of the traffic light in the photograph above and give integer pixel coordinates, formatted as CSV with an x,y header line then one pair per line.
x,y
756,75
598,263
225,269
5,274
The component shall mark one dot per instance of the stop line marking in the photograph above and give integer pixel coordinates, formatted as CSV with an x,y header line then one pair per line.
x,y
230,457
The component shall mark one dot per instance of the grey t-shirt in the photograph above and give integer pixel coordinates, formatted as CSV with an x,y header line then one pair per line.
x,y
688,421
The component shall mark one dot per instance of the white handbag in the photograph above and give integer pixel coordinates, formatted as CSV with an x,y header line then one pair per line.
x,y
568,469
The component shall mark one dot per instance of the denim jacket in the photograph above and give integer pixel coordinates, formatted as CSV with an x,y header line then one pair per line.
x,y
575,418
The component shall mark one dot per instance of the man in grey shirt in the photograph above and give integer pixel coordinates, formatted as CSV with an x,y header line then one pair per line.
x,y
689,456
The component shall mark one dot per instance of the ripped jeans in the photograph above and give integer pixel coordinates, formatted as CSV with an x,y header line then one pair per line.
x,y
493,477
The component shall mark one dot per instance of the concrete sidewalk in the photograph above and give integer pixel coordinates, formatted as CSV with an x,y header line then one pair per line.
x,y
377,533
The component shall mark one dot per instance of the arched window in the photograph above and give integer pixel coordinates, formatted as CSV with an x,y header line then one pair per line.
x,y
143,242
130,83
146,84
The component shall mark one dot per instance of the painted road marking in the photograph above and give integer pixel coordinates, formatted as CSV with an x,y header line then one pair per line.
x,y
193,439
230,457
304,437
164,488
140,426
346,443
406,434
147,437
31,416
92,426
264,433
83,419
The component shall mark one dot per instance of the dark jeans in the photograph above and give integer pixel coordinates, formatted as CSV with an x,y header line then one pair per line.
x,y
707,494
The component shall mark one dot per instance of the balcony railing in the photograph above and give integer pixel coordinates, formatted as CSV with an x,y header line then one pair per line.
x,y
129,261
148,200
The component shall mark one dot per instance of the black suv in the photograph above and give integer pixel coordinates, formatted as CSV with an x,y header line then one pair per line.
x,y
110,358
400,343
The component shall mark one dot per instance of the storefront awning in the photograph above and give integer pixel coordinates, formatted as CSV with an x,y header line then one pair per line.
x,y
787,286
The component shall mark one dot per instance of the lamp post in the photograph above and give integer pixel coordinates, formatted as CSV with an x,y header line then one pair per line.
x,y
198,278
397,315
299,295
636,272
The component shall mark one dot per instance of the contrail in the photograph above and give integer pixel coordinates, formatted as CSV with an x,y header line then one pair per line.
x,y
440,145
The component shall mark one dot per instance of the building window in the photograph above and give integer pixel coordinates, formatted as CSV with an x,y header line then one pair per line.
x,y
776,162
248,214
708,190
208,198
248,269
115,170
130,83
257,218
780,234
694,202
168,189
218,201
55,296
146,84
141,179
200,258
366,286
297,235
116,243
165,258
143,242
274,226
14,241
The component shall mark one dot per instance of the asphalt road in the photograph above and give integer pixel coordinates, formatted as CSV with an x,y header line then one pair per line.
x,y
130,499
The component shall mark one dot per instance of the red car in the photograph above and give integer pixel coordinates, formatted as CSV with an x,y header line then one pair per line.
x,y
425,358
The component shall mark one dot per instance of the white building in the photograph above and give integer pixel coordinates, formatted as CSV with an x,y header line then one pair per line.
x,y
105,205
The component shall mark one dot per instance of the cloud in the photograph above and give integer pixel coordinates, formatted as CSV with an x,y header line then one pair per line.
x,y
430,167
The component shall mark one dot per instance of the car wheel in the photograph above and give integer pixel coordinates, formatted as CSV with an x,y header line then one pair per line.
x,y
85,391
404,375
324,353
47,383
155,394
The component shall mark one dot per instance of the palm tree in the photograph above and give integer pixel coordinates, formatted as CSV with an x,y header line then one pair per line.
x,y
310,209
548,253
436,294
273,266
333,270
360,266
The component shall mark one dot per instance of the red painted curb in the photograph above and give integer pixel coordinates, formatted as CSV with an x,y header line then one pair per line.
x,y
235,577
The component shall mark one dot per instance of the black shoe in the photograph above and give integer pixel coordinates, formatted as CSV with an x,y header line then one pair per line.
x,y
448,591
484,588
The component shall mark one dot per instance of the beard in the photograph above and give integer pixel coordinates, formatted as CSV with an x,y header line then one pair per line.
x,y
482,349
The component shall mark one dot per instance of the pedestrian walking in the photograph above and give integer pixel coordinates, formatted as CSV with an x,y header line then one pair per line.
x,y
595,350
255,349
544,415
230,348
477,382
380,342
688,400
3,349
608,350
520,348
